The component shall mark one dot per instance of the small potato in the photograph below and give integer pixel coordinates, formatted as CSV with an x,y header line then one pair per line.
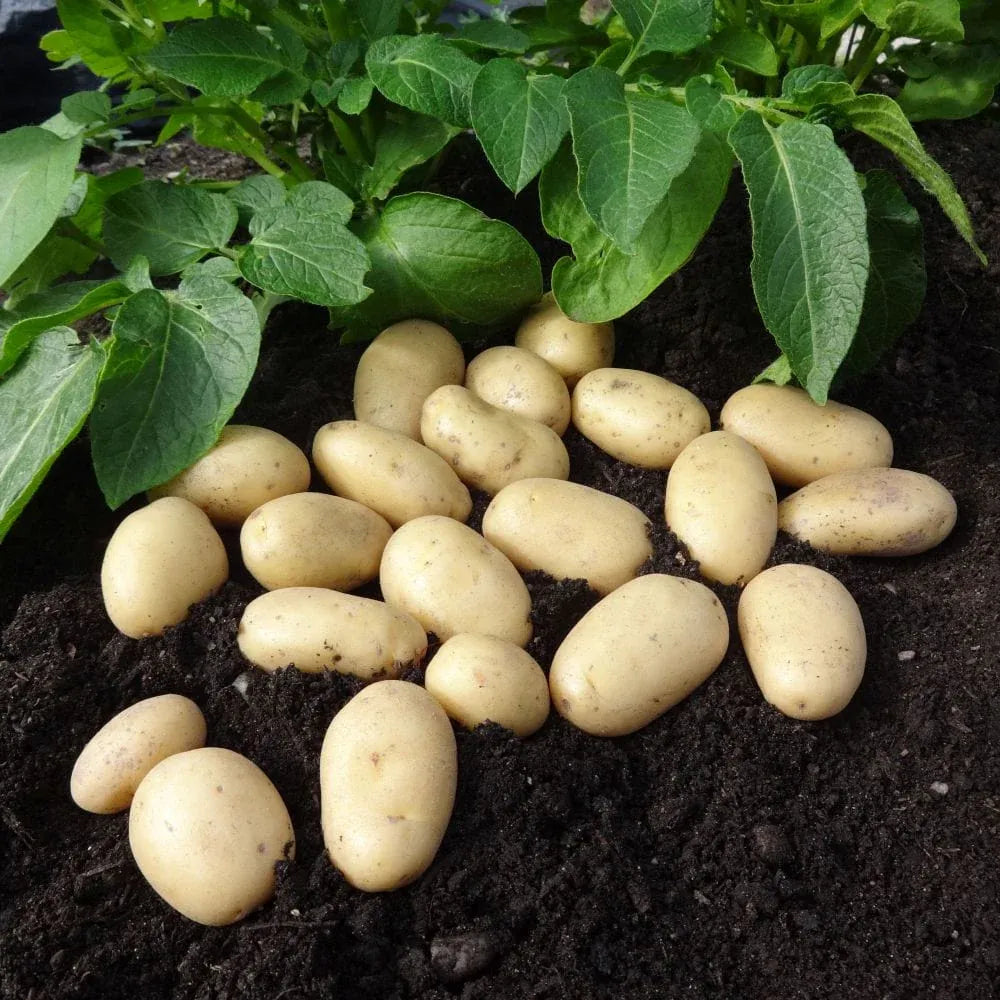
x,y
805,640
801,441
314,630
572,348
390,473
639,651
206,829
636,417
519,381
721,504
400,368
569,531
125,749
479,678
870,512
388,772
247,467
313,540
488,447
161,560
452,580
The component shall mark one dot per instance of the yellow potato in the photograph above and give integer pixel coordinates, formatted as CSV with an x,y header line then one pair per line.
x,y
479,678
805,640
125,749
247,467
452,580
400,368
313,540
390,473
206,829
721,504
636,653
636,417
314,630
569,531
488,447
870,512
801,441
387,776
161,560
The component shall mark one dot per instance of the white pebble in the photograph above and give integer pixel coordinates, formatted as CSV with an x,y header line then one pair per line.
x,y
939,787
906,655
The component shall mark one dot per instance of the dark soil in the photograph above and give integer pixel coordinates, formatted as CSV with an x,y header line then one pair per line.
x,y
724,851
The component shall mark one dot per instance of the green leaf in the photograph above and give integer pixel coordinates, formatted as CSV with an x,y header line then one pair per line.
x,y
137,277
75,198
810,247
798,82
778,371
747,48
90,218
805,16
403,144
340,171
879,11
285,88
87,107
709,105
178,365
101,44
928,20
961,84
355,95
496,36
666,25
839,16
378,17
256,193
53,258
43,405
213,267
321,199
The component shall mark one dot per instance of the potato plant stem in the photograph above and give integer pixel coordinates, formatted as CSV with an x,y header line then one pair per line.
x,y
347,137
868,58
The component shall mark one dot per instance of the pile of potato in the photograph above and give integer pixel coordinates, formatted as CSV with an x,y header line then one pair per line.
x,y
427,430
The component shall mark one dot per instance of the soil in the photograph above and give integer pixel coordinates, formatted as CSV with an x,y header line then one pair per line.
x,y
723,851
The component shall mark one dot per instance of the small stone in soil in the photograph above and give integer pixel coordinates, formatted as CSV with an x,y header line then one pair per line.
x,y
459,957
906,655
939,787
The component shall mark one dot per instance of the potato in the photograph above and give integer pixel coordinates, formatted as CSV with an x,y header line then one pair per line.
x,y
636,417
314,630
206,829
400,368
161,560
569,531
247,467
488,447
721,504
452,580
479,678
636,653
313,540
387,776
125,749
572,348
801,441
805,640
390,473
870,512
513,379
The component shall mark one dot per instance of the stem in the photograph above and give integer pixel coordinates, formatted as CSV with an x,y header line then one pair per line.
x,y
871,58
70,229
633,54
298,169
347,137
800,55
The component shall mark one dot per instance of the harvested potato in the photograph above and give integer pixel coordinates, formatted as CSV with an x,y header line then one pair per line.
x,y
452,580
569,531
870,512
388,774
314,630
390,473
125,749
206,829
247,467
636,653
488,447
805,640
313,540
479,678
400,368
721,504
161,560
636,417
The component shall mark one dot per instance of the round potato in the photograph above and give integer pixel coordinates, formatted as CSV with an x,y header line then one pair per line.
x,y
387,775
390,473
569,531
636,417
805,640
206,829
400,368
479,678
639,651
247,467
161,560
488,447
452,580
721,504
313,540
